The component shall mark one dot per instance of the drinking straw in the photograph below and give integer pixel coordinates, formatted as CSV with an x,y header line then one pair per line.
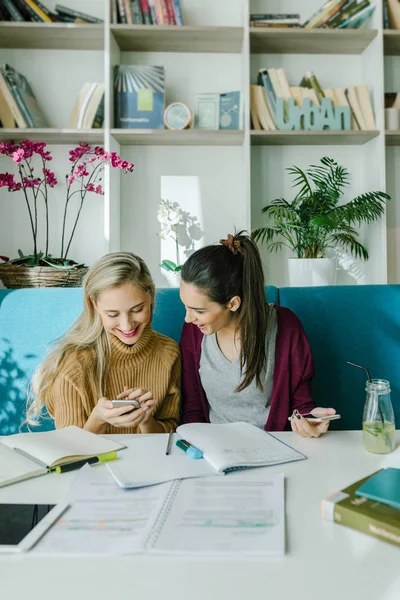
x,y
370,380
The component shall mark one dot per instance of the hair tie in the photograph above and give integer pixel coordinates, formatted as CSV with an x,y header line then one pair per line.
x,y
233,244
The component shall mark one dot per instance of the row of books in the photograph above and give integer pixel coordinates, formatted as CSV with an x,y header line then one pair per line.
x,y
370,505
334,14
36,11
19,107
273,84
391,14
146,12
18,104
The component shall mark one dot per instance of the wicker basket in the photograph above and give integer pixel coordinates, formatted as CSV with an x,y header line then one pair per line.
x,y
20,276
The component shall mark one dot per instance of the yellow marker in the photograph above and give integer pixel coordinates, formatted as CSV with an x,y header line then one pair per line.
x,y
78,464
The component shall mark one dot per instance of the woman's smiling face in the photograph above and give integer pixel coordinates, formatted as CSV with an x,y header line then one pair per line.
x,y
209,316
125,311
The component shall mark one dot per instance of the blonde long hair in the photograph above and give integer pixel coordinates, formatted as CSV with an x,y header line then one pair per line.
x,y
112,270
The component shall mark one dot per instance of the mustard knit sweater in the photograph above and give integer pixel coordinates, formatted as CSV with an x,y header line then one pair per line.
x,y
153,364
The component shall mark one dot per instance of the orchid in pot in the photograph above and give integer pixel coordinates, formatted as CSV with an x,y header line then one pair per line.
x,y
34,180
170,217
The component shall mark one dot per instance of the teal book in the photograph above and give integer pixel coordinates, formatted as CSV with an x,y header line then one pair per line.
x,y
383,487
230,112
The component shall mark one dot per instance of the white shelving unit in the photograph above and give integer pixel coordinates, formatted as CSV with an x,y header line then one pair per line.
x,y
221,178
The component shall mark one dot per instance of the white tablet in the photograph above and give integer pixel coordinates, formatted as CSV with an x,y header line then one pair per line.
x,y
22,525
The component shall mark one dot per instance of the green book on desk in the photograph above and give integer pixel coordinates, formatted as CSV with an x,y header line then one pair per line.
x,y
368,516
26,455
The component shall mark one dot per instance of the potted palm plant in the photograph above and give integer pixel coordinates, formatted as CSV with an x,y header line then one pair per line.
x,y
314,222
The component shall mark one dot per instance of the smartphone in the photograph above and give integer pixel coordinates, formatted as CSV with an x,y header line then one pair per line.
x,y
313,419
134,403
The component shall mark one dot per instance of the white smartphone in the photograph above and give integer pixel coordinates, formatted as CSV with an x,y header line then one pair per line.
x,y
313,419
134,403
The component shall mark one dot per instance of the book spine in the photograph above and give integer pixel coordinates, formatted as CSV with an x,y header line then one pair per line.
x,y
261,24
348,516
274,17
144,5
22,106
386,21
13,106
170,10
314,83
137,13
30,13
178,12
38,11
353,10
121,12
77,14
313,20
99,116
331,14
13,10
128,12
164,10
153,12
338,16
114,12
159,12
266,82
43,8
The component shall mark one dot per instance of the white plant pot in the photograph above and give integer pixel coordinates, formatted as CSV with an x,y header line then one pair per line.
x,y
312,272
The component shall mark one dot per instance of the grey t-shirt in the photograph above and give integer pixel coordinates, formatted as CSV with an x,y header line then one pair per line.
x,y
220,377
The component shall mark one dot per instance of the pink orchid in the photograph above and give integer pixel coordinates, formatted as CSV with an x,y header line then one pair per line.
x,y
18,155
81,170
87,162
50,177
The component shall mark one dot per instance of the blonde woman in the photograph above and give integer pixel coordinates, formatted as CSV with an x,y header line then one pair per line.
x,y
111,352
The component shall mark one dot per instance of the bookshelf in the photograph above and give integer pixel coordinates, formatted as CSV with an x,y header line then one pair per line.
x,y
189,137
223,178
167,38
391,43
310,41
311,138
51,36
54,136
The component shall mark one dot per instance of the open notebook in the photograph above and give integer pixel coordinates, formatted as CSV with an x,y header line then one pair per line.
x,y
239,515
26,455
225,448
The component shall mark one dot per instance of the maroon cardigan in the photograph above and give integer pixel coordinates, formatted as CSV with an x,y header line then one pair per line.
x,y
293,372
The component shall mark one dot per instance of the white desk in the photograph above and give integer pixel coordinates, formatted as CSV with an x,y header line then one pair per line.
x,y
323,560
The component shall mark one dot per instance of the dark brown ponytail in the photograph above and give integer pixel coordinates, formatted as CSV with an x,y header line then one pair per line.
x,y
230,269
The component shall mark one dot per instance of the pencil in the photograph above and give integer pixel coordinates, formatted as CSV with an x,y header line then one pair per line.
x,y
168,449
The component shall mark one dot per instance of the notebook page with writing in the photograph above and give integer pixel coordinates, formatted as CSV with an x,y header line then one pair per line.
x,y
237,445
234,515
102,519
144,462
61,445
16,467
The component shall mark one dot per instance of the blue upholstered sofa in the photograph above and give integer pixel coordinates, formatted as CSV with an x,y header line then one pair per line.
x,y
356,323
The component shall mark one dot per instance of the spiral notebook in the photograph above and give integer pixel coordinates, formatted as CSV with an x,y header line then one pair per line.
x,y
226,448
237,516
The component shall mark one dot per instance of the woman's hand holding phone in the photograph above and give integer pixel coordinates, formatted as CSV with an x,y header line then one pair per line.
x,y
132,407
307,428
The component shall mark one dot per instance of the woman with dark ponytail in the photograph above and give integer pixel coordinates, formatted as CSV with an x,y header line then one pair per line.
x,y
242,359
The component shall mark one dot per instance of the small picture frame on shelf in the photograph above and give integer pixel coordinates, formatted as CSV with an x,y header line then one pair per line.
x,y
207,111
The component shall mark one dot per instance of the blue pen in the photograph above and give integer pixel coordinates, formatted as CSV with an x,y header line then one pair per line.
x,y
190,450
